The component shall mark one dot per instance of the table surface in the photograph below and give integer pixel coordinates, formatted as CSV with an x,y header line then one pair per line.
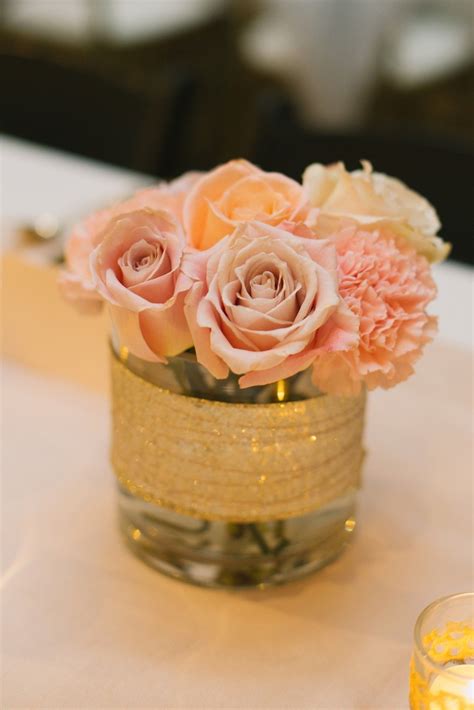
x,y
86,625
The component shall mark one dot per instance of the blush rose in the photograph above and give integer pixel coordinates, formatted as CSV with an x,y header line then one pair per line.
x,y
140,269
76,282
267,302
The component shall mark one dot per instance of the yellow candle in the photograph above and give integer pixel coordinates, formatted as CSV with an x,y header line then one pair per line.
x,y
460,688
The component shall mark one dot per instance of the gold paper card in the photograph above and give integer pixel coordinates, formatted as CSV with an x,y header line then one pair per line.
x,y
233,462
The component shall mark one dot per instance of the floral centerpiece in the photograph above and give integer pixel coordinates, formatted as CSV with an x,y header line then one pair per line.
x,y
250,313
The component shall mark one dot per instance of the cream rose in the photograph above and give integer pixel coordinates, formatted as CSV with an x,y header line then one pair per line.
x,y
238,192
76,282
267,304
140,269
370,199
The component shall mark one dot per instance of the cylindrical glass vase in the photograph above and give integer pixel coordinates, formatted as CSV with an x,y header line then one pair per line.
x,y
229,487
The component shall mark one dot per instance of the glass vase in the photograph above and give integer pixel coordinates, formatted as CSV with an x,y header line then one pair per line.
x,y
228,487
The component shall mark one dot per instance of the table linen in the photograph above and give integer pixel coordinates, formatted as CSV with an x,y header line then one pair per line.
x,y
86,625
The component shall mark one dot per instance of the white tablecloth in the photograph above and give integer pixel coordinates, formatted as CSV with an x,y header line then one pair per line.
x,y
86,625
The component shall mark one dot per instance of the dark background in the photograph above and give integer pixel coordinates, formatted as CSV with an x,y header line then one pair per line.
x,y
206,89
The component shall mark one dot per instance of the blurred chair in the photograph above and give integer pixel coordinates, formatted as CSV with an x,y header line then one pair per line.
x,y
163,103
218,109
94,113
441,169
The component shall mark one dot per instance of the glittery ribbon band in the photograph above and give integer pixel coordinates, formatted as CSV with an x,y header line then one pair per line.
x,y
233,462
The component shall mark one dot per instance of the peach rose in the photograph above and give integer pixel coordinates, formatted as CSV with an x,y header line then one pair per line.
x,y
371,198
388,287
239,192
139,267
76,283
267,303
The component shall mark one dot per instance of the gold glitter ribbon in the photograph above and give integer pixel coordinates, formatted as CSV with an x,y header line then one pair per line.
x,y
233,462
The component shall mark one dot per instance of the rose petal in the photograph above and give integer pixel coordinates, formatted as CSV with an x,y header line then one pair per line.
x,y
166,332
129,334
201,335
77,291
142,262
208,188
289,367
158,290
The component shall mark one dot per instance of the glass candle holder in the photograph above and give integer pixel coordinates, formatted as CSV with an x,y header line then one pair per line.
x,y
442,665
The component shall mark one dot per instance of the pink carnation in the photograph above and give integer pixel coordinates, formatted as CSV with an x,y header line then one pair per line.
x,y
388,287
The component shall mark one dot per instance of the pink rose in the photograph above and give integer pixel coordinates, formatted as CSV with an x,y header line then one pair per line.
x,y
371,199
76,283
239,192
266,305
388,287
139,267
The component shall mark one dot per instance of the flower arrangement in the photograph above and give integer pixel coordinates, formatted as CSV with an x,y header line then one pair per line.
x,y
265,277
243,303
